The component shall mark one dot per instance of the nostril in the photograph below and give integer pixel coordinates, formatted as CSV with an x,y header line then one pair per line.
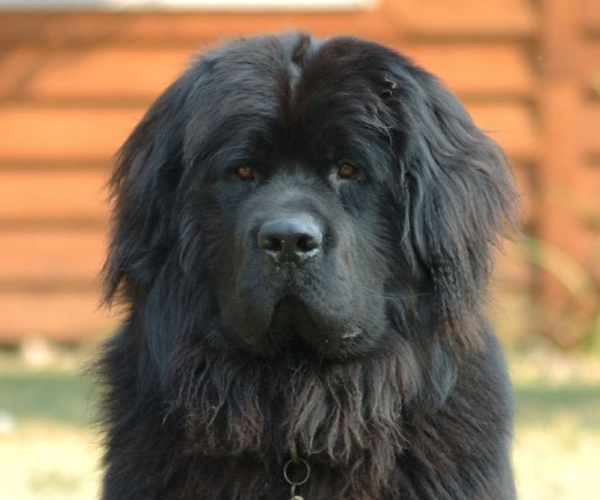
x,y
270,243
309,242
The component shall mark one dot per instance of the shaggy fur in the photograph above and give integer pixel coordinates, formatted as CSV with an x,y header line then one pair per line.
x,y
373,357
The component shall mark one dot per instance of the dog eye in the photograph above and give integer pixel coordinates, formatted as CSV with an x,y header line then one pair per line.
x,y
346,170
245,172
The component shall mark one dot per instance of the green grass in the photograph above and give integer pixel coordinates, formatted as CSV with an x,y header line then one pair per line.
x,y
49,448
542,406
52,397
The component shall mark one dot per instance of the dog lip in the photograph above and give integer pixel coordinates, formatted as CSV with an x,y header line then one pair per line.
x,y
298,348
290,318
295,332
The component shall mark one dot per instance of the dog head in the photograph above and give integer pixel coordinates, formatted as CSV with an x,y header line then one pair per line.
x,y
288,195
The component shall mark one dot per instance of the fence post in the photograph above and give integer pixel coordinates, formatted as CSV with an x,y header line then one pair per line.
x,y
560,103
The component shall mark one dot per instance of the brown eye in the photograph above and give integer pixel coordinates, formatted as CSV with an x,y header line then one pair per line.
x,y
346,170
245,172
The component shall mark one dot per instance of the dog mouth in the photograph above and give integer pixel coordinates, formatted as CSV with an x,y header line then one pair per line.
x,y
294,333
309,314
290,321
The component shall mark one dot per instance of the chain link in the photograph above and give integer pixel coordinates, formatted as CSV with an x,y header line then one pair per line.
x,y
286,474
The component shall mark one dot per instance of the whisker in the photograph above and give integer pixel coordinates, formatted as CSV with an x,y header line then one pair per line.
x,y
403,296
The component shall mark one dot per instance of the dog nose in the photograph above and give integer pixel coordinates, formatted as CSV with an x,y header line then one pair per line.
x,y
291,240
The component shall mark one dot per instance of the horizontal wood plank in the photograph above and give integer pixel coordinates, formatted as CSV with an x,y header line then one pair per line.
x,y
465,18
133,73
65,316
509,124
153,28
51,258
50,196
82,133
108,73
470,68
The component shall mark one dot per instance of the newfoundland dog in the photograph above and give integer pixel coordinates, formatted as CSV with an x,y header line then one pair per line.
x,y
302,240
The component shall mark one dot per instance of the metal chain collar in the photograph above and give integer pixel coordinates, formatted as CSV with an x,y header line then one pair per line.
x,y
295,460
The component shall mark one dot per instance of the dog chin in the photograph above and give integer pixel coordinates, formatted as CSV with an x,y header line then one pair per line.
x,y
297,330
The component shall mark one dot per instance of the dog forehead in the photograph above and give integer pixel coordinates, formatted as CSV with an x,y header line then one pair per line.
x,y
279,74
293,84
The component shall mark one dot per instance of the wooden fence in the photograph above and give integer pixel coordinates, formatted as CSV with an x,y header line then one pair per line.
x,y
72,85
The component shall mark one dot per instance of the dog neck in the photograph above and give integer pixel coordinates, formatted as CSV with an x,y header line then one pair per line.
x,y
342,415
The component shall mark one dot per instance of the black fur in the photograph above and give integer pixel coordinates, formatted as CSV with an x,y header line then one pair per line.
x,y
374,359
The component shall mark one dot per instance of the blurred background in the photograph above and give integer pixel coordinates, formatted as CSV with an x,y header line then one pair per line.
x,y
77,75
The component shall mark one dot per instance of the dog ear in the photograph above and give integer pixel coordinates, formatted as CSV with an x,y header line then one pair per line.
x,y
142,188
459,202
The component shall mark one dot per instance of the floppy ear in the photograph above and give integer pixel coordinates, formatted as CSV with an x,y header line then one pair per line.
x,y
142,189
460,201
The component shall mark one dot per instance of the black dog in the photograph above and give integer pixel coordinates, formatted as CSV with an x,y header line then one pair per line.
x,y
302,237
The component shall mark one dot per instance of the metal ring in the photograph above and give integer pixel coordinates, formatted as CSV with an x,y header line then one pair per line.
x,y
306,475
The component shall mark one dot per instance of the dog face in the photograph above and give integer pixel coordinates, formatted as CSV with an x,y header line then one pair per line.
x,y
301,266
289,197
